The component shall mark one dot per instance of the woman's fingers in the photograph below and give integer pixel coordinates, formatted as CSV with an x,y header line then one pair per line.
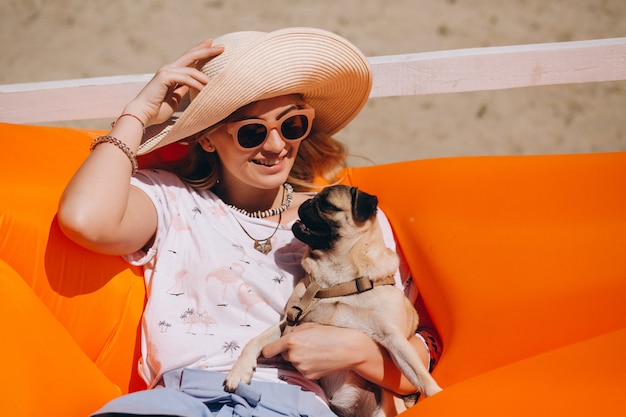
x,y
179,79
201,52
162,95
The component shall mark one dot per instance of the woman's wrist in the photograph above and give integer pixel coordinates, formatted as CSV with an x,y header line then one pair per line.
x,y
363,353
118,144
137,108
134,116
128,127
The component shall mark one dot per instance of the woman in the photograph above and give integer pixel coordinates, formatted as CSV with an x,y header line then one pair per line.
x,y
213,230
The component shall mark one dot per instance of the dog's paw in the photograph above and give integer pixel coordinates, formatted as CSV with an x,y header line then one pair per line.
x,y
239,373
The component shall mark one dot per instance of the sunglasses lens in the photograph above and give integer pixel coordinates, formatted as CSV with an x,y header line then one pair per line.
x,y
295,127
251,135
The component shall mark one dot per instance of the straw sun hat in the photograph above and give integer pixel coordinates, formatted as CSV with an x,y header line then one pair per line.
x,y
330,73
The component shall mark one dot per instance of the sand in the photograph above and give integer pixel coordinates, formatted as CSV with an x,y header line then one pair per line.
x,y
64,39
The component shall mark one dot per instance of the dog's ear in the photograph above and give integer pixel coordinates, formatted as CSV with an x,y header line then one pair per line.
x,y
363,204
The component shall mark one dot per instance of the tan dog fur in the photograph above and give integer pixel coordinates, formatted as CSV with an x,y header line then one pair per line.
x,y
383,313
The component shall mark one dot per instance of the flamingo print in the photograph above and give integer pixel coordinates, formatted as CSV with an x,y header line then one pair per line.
x,y
227,276
194,318
179,283
179,224
217,211
248,298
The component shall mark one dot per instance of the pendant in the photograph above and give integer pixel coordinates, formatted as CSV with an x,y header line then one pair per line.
x,y
264,246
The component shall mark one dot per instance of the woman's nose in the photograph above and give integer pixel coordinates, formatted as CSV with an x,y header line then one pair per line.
x,y
274,142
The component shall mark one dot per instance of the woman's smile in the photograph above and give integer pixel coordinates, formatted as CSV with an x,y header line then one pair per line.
x,y
267,162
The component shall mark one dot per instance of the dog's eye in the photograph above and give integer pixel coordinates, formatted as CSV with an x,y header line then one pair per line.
x,y
326,206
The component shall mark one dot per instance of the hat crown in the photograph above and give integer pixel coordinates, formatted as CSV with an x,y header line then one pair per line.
x,y
234,43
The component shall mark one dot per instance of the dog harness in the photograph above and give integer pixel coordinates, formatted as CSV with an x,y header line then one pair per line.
x,y
314,292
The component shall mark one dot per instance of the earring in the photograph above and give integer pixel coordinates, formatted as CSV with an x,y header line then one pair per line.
x,y
208,146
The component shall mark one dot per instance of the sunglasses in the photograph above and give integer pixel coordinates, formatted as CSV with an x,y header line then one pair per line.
x,y
293,126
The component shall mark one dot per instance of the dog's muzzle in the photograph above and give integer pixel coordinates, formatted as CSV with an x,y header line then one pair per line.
x,y
312,228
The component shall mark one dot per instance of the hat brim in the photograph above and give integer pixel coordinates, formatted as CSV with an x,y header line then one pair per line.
x,y
330,73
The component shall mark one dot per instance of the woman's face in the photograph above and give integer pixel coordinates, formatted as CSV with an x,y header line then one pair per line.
x,y
267,165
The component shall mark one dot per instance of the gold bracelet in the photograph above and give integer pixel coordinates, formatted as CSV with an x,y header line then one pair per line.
x,y
121,145
143,126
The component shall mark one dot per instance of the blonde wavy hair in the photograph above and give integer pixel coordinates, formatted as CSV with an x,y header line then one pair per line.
x,y
320,161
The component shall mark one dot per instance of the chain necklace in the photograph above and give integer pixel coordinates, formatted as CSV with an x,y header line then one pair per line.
x,y
261,214
262,245
265,245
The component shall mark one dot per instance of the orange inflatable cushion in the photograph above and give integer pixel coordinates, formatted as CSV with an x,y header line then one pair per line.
x,y
83,291
513,256
49,374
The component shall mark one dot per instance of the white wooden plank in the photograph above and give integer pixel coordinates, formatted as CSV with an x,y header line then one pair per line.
x,y
79,99
436,72
493,68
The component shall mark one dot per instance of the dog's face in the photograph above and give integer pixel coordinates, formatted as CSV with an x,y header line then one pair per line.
x,y
335,212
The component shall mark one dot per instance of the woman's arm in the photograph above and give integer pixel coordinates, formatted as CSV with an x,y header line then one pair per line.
x,y
99,209
317,350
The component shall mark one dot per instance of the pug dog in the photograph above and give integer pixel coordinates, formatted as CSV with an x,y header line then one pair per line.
x,y
349,283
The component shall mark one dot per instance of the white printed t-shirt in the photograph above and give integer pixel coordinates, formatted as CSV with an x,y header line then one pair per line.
x,y
209,291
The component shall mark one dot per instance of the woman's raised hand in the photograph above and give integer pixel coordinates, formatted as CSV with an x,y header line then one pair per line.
x,y
160,98
98,208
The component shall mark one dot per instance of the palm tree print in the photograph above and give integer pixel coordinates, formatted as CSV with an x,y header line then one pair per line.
x,y
189,312
195,318
163,325
231,347
278,280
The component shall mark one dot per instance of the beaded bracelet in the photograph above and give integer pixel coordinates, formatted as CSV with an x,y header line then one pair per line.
x,y
121,145
143,126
